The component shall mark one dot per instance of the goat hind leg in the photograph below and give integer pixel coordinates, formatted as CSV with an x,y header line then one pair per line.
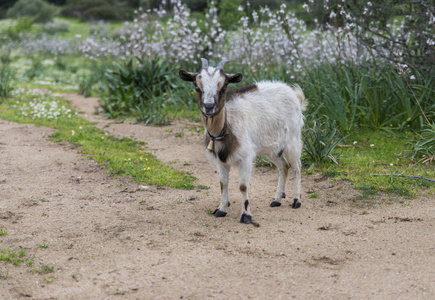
x,y
283,168
296,165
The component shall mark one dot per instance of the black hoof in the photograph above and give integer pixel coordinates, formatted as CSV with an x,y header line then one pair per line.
x,y
296,203
246,219
275,203
218,213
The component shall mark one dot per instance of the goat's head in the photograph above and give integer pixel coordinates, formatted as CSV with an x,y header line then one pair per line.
x,y
211,86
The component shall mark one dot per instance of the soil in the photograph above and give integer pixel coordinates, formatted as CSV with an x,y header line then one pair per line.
x,y
113,238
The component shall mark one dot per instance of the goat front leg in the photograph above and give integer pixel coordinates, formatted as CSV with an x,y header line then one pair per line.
x,y
245,170
224,173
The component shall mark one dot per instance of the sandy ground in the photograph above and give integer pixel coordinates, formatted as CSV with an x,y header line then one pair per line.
x,y
108,239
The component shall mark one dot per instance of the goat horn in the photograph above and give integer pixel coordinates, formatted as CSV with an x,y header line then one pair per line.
x,y
204,63
222,64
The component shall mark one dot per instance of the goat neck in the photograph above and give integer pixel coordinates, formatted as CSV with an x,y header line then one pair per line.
x,y
216,124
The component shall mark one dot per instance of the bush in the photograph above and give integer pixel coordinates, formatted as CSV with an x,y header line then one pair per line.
x,y
5,82
424,148
369,96
35,70
56,27
106,13
39,10
96,10
21,25
320,141
139,90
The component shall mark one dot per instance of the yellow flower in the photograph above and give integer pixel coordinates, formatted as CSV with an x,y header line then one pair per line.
x,y
192,92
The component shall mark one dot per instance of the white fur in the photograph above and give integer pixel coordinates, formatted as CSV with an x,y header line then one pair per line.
x,y
266,122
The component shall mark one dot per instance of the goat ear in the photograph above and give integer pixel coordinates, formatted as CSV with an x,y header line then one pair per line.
x,y
187,76
234,78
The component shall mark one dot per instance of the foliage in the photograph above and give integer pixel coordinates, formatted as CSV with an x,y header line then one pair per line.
x,y
320,140
39,10
229,12
95,10
139,89
356,96
5,82
413,42
55,27
18,28
14,256
87,82
424,148
35,70
121,156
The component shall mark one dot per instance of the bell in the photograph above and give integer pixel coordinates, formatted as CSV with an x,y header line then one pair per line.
x,y
211,145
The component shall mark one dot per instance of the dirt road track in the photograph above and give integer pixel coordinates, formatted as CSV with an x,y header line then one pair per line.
x,y
108,239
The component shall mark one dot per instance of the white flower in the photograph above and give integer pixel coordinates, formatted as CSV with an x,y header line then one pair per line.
x,y
412,77
306,7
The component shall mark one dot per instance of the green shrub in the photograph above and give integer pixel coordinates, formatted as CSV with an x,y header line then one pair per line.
x,y
369,96
106,13
35,70
5,82
20,26
229,13
56,27
39,10
424,148
87,83
320,141
92,10
139,90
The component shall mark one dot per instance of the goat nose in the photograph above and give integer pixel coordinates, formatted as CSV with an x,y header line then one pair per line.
x,y
208,105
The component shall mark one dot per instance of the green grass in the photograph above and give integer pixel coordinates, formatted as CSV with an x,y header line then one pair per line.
x,y
45,269
121,156
14,256
3,232
378,152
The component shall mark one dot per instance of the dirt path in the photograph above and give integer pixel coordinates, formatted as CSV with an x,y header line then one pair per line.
x,y
107,239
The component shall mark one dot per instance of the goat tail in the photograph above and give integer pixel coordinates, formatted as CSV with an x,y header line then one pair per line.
x,y
301,96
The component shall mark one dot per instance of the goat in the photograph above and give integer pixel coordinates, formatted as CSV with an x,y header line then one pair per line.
x,y
259,119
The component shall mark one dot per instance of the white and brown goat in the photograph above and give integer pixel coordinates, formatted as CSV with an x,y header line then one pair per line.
x,y
259,119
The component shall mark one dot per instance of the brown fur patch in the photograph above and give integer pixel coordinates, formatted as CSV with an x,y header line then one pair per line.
x,y
229,145
231,94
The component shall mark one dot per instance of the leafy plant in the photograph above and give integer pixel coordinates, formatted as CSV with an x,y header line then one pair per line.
x,y
15,257
320,141
5,82
35,70
424,148
45,269
139,90
39,10
16,29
